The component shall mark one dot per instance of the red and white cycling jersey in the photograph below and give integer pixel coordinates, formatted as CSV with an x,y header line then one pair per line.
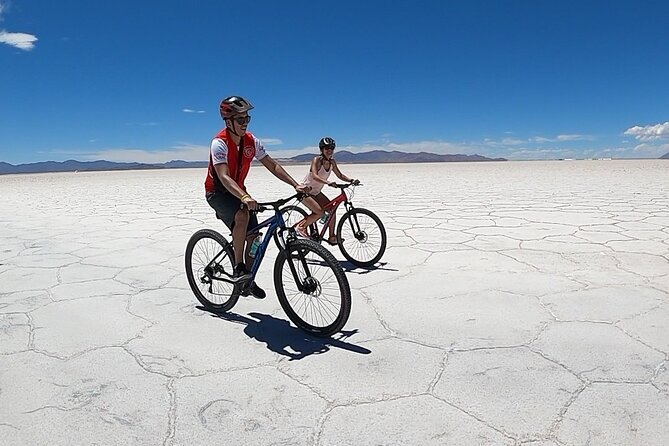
x,y
224,151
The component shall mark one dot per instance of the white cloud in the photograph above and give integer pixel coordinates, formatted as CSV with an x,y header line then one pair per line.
x,y
504,142
188,110
142,124
562,138
574,138
649,132
185,152
21,41
510,148
645,150
542,154
541,139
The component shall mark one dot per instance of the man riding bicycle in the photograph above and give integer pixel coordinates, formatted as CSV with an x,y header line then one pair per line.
x,y
230,156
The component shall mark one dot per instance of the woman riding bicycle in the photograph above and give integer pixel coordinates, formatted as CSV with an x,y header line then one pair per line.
x,y
321,167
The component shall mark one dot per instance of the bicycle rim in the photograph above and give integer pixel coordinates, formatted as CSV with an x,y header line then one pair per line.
x,y
323,305
361,237
209,256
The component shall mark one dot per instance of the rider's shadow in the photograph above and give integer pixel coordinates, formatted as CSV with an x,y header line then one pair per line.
x,y
351,268
284,339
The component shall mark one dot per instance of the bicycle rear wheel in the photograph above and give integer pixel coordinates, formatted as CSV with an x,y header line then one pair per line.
x,y
312,288
209,257
361,237
291,215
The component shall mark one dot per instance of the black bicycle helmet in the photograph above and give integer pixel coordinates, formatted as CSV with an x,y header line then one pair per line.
x,y
234,105
326,142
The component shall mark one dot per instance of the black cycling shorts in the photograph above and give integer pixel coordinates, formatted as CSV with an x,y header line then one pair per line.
x,y
226,206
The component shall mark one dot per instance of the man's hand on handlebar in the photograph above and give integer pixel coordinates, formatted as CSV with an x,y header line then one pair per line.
x,y
302,188
250,202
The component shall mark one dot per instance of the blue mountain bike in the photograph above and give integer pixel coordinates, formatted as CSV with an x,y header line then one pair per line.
x,y
309,282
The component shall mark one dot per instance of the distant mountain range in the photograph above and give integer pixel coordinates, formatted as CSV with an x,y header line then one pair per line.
x,y
382,156
665,156
375,156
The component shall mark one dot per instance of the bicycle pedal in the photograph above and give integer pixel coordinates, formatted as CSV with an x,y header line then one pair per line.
x,y
241,280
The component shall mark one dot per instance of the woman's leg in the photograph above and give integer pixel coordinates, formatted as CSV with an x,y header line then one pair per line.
x,y
316,212
323,201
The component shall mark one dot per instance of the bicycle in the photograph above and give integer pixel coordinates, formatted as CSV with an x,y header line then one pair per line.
x,y
309,282
361,236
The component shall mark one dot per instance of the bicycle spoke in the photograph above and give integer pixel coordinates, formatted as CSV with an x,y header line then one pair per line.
x,y
209,258
319,306
363,238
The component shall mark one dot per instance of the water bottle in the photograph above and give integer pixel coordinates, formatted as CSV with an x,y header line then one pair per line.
x,y
255,245
324,218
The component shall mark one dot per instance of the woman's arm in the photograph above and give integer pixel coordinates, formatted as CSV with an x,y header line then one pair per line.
x,y
338,172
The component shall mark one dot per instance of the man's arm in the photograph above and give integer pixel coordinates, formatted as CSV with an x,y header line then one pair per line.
x,y
278,171
232,186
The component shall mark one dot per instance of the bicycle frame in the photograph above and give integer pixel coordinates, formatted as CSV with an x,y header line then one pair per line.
x,y
274,223
332,207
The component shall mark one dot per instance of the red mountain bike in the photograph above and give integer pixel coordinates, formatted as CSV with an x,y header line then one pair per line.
x,y
361,236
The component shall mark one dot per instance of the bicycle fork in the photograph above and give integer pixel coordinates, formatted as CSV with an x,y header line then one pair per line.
x,y
308,285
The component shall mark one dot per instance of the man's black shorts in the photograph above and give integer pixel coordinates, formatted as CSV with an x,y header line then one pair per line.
x,y
226,206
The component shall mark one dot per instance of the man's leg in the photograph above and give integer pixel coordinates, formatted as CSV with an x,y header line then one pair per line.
x,y
239,234
239,245
253,288
227,209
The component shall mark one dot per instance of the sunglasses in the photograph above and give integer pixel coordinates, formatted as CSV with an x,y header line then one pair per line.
x,y
329,148
241,120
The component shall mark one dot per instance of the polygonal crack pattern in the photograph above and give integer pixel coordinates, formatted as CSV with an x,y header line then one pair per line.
x,y
517,303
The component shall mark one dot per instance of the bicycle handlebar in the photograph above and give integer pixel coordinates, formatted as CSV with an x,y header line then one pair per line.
x,y
347,185
269,205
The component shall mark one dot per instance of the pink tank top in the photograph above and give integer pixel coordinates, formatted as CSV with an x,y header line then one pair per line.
x,y
316,186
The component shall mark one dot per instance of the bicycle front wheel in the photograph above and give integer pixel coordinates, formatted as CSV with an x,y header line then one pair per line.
x,y
361,237
209,258
312,288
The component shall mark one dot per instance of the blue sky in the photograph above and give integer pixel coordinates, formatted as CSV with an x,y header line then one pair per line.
x,y
129,80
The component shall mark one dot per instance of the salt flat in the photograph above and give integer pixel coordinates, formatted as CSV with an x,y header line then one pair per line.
x,y
517,303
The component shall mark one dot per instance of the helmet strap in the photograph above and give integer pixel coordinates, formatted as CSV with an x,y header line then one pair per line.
x,y
232,127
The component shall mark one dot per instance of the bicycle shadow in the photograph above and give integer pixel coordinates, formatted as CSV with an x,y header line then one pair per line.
x,y
352,268
284,339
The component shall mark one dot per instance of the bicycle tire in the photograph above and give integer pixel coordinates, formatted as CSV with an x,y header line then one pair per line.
x,y
302,307
357,245
199,278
